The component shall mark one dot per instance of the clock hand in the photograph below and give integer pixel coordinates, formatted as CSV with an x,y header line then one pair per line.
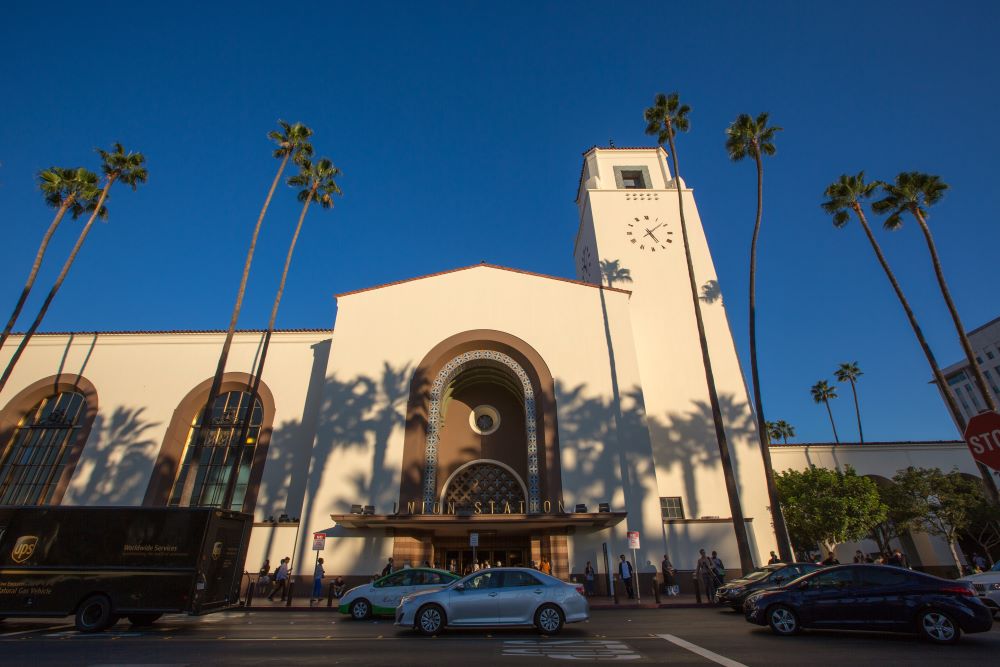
x,y
655,228
649,233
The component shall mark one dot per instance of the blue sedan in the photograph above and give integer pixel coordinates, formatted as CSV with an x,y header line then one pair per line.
x,y
872,597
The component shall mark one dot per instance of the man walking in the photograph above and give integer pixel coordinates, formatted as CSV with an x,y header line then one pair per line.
x,y
625,572
280,579
706,575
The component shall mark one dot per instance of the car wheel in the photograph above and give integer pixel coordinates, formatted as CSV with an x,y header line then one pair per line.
x,y
361,609
430,620
783,620
143,619
938,627
94,614
549,619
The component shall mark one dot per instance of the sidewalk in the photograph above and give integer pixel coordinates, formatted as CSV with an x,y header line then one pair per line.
x,y
301,603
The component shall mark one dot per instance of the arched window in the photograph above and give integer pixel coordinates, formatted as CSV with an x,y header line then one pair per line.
x,y
33,461
204,482
484,483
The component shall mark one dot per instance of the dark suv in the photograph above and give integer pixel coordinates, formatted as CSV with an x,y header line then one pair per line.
x,y
734,592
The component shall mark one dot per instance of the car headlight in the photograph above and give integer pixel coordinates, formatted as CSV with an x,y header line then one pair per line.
x,y
737,590
995,587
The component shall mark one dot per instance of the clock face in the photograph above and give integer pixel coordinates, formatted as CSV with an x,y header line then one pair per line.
x,y
647,233
587,264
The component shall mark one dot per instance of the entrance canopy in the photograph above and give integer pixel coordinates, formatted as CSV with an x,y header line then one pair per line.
x,y
445,524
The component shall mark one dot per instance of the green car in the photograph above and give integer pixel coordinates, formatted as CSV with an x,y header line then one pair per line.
x,y
381,597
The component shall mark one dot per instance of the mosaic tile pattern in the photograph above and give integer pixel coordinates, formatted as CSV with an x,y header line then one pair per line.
x,y
448,373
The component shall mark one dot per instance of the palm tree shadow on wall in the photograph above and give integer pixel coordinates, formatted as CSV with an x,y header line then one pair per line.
x,y
117,461
711,292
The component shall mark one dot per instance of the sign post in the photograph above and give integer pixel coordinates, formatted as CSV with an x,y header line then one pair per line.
x,y
633,544
982,435
474,543
319,543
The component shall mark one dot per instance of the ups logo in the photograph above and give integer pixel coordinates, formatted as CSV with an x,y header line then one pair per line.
x,y
216,550
24,547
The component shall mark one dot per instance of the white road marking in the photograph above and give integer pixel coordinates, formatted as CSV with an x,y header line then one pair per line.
x,y
28,632
703,652
570,649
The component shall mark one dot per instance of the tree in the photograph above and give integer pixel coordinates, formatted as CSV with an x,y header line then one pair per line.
x,y
901,511
117,165
666,117
72,190
780,429
850,372
944,503
752,137
822,392
828,507
984,526
317,182
914,192
845,196
292,141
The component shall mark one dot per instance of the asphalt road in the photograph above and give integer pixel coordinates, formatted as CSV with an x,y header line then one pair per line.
x,y
667,636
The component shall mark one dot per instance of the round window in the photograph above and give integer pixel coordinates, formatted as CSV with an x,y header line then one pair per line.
x,y
484,419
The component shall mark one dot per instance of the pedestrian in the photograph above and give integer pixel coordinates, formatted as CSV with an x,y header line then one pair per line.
x,y
427,563
668,572
704,572
475,566
897,559
338,587
588,579
774,559
388,568
979,562
264,577
545,567
718,569
830,559
280,579
318,575
625,573
859,557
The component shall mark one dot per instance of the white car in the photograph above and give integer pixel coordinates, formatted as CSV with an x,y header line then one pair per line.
x,y
382,596
987,587
499,596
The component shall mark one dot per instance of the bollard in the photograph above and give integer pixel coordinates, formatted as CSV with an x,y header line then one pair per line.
x,y
614,589
697,589
656,590
291,585
329,595
251,585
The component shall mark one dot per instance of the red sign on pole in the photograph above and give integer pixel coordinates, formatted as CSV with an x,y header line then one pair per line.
x,y
982,435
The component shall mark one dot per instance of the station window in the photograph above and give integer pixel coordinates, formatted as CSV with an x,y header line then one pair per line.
x,y
632,178
672,507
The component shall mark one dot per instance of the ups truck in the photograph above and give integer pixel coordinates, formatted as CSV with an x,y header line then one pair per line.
x,y
100,564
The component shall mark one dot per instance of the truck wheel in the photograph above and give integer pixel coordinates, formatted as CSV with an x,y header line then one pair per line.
x,y
143,619
94,614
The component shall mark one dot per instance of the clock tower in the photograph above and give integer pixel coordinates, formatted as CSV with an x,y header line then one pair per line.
x,y
629,235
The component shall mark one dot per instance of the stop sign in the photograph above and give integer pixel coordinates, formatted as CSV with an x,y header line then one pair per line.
x,y
983,437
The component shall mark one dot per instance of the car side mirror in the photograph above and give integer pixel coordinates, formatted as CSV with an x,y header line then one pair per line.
x,y
460,588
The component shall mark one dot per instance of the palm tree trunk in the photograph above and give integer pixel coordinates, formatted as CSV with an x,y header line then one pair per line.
x,y
977,372
857,411
36,266
245,428
988,484
777,517
228,343
830,412
55,287
732,490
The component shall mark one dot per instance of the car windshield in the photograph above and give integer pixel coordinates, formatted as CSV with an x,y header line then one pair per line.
x,y
996,567
757,575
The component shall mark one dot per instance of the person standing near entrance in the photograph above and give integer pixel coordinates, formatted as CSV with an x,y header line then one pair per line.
x,y
318,575
668,572
625,572
588,579
545,567
705,571
387,569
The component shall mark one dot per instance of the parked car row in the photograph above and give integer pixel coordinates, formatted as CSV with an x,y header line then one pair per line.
x,y
430,600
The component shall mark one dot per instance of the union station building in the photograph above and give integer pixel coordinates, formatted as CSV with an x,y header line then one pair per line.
x,y
548,416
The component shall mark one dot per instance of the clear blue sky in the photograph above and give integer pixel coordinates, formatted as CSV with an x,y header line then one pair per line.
x,y
459,128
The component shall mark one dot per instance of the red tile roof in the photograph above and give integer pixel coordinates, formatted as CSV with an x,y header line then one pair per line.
x,y
126,332
489,266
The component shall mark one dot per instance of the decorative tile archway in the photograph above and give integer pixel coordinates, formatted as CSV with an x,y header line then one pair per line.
x,y
450,370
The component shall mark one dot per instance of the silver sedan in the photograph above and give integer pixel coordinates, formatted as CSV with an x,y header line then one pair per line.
x,y
501,596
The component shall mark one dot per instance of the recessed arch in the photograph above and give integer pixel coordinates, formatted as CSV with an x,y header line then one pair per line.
x,y
466,466
28,398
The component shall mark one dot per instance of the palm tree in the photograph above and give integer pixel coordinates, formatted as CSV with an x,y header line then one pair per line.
x,y
666,117
117,165
845,195
292,141
72,190
748,136
780,429
913,193
850,372
317,182
822,393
